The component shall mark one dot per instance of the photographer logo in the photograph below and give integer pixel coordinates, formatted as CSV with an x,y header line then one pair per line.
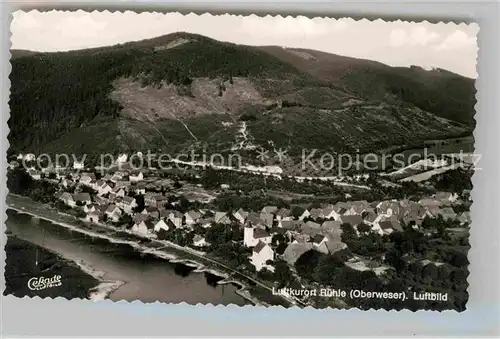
x,y
41,283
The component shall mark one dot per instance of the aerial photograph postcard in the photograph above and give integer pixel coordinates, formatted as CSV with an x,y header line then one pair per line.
x,y
240,160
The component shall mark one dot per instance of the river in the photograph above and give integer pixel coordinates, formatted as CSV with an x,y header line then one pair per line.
x,y
145,277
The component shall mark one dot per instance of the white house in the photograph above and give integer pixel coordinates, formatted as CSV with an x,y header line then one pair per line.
x,y
161,225
103,188
304,215
261,253
199,241
113,212
118,191
85,180
142,226
176,218
191,217
127,204
89,208
135,177
252,236
67,198
93,216
240,215
122,158
78,165
36,175
446,197
140,189
331,212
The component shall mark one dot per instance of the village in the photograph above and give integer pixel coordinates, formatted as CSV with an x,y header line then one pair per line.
x,y
130,199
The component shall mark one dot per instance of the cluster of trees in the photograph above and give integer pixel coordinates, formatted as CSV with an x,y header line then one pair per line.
x,y
21,183
455,180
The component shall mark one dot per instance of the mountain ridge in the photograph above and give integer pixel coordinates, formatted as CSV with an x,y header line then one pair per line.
x,y
72,93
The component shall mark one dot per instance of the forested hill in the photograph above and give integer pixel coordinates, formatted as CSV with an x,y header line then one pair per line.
x,y
68,101
439,91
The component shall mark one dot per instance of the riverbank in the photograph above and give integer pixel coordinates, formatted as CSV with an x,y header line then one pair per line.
x,y
25,261
161,249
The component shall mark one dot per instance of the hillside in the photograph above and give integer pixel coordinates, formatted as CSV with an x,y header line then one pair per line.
x,y
441,92
183,91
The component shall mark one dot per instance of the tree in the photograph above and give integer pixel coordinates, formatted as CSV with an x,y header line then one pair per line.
x,y
307,262
364,228
282,274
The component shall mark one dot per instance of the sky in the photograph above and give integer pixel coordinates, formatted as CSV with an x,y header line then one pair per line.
x,y
449,46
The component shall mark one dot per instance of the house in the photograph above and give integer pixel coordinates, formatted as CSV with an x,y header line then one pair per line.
x,y
389,226
283,214
389,207
291,225
267,219
153,212
136,177
155,200
149,198
222,218
143,227
99,200
113,212
304,215
199,241
261,253
464,218
161,225
118,191
191,217
446,197
85,179
252,235
65,182
122,158
319,240
103,188
311,228
67,198
357,207
89,208
294,250
316,213
447,213
127,204
353,220
94,216
82,198
269,209
78,165
335,245
330,212
254,220
370,217
107,177
36,175
176,218
140,188
205,222
332,227
240,215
